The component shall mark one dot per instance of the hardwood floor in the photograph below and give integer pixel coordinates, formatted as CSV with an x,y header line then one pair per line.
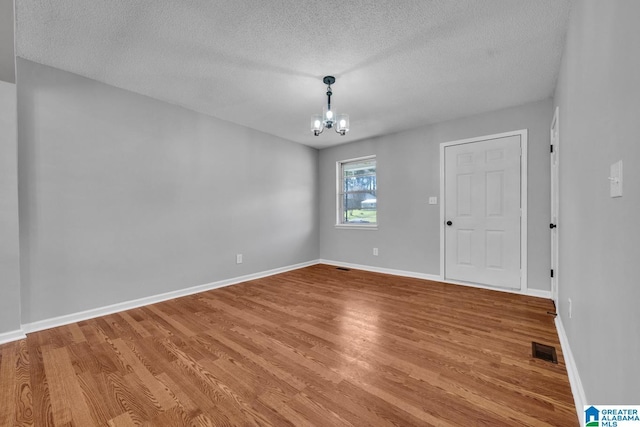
x,y
315,346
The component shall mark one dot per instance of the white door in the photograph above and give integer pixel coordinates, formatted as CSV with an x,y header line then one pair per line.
x,y
555,141
482,212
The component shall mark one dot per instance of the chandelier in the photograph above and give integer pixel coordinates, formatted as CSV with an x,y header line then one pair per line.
x,y
329,118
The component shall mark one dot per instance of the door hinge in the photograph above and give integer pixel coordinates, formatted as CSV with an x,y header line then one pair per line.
x,y
551,148
552,272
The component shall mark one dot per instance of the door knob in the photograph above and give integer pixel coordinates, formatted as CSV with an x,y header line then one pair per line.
x,y
449,223
552,226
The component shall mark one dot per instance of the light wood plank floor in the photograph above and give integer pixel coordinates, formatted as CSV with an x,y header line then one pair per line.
x,y
316,346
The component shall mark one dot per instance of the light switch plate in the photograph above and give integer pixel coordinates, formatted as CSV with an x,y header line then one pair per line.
x,y
615,179
433,200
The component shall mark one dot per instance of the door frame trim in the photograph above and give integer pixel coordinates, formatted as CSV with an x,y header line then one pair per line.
x,y
523,133
555,203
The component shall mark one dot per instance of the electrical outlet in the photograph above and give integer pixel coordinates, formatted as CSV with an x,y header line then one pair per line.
x,y
570,308
433,200
238,258
375,251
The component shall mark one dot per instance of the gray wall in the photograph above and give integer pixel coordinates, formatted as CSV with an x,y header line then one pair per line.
x,y
123,196
408,236
9,228
599,98
7,56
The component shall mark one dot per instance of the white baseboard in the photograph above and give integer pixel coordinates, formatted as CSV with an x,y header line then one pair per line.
x,y
16,335
530,292
539,293
579,397
373,269
127,305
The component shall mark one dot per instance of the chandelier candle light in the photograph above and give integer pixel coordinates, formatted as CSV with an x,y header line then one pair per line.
x,y
329,118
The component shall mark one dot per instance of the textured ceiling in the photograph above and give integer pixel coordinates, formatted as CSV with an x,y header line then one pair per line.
x,y
399,64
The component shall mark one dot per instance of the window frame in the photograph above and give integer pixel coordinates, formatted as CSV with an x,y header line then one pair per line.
x,y
339,194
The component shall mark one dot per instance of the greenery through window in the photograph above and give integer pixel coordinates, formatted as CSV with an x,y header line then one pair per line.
x,y
357,191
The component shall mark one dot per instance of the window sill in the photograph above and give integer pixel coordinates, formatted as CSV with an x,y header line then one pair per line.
x,y
357,226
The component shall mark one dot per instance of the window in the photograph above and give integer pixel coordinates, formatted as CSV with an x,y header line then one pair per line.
x,y
357,199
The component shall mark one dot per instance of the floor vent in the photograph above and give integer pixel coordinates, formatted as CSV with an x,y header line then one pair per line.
x,y
544,352
343,269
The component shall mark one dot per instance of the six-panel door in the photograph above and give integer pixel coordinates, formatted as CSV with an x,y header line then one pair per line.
x,y
482,212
